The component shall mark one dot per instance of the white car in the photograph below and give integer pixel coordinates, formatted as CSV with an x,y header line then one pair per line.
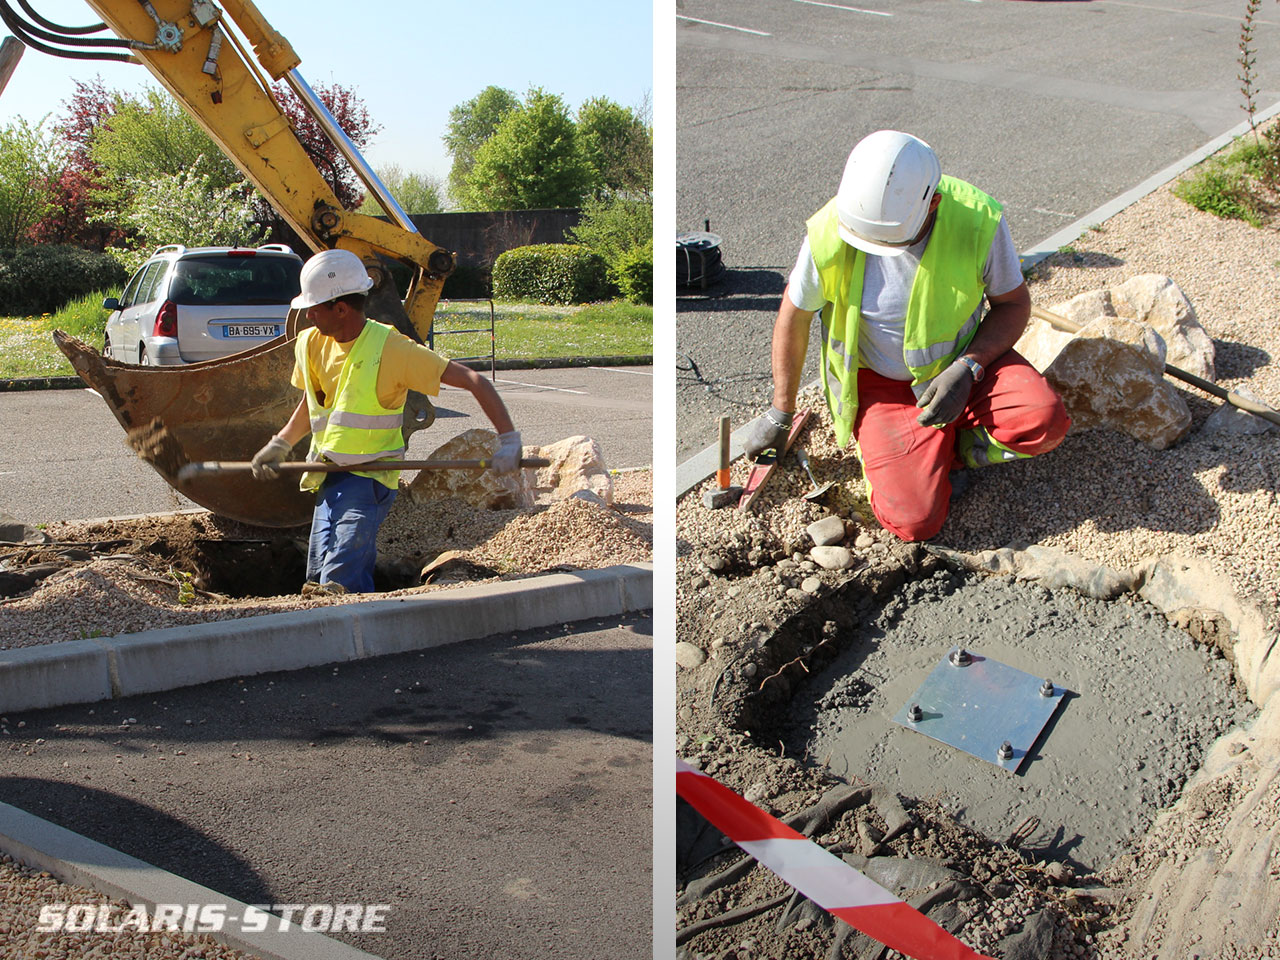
x,y
187,304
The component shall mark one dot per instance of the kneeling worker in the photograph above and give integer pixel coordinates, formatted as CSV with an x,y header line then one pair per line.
x,y
900,262
355,374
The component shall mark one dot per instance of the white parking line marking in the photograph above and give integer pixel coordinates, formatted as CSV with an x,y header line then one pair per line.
x,y
539,386
819,3
634,373
1052,213
1193,13
727,26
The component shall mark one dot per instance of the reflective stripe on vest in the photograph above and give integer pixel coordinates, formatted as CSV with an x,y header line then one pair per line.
x,y
354,427
947,289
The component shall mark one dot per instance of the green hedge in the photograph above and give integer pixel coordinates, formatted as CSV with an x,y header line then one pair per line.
x,y
550,273
41,279
634,273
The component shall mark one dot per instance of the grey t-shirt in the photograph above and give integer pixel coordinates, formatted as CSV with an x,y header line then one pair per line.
x,y
886,287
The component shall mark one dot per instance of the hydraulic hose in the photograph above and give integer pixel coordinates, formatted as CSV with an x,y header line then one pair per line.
x,y
56,27
27,34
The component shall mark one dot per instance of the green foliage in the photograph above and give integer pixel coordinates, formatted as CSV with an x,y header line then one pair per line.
x,y
634,274
36,280
550,273
150,136
618,145
189,208
83,317
415,192
470,125
613,227
531,162
30,164
1221,187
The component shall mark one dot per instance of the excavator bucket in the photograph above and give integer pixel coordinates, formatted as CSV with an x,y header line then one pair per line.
x,y
223,409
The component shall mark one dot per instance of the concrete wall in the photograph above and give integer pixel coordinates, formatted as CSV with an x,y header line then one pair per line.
x,y
478,238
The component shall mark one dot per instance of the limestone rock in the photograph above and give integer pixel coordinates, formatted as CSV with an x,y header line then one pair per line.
x,y
827,531
1041,342
689,656
1111,375
833,558
13,530
1229,419
1155,299
577,463
483,488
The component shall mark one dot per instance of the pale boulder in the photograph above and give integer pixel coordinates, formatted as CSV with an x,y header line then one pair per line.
x,y
1111,375
577,463
483,488
1155,299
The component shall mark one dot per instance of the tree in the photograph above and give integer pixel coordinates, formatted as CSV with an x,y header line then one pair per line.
x,y
415,192
189,207
531,161
619,146
151,136
470,125
30,163
352,116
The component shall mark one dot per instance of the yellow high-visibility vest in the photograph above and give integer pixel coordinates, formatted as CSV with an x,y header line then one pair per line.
x,y
946,291
352,426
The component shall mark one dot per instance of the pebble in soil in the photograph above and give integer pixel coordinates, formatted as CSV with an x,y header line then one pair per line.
x,y
1145,703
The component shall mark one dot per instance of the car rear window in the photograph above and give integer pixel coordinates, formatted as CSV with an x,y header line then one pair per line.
x,y
222,280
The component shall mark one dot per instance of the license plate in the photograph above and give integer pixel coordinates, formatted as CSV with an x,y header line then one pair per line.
x,y
251,330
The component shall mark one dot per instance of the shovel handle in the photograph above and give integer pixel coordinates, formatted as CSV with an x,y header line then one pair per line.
x,y
1208,386
202,468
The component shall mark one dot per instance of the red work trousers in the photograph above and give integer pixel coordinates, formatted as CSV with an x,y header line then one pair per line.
x,y
906,465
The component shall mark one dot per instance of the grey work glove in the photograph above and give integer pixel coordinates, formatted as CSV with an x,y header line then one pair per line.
x,y
769,430
945,397
507,457
265,460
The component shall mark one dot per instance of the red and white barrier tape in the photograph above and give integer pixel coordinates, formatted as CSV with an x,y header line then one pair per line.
x,y
821,876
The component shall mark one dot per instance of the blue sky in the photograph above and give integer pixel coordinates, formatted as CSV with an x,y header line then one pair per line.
x,y
409,61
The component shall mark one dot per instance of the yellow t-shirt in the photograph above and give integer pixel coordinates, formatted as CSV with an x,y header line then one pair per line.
x,y
406,366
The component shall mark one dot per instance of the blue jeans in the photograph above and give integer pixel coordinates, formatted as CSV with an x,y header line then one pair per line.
x,y
344,530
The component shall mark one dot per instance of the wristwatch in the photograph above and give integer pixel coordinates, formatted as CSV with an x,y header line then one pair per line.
x,y
974,367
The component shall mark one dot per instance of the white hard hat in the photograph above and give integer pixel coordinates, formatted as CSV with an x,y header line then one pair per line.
x,y
889,180
331,274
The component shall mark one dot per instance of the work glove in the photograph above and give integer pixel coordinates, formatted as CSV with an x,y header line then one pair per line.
x,y
945,397
769,430
507,457
265,460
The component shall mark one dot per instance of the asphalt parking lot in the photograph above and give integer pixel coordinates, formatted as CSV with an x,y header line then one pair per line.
x,y
1052,107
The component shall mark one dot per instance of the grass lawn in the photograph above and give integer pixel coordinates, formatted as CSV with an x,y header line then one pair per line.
x,y
521,331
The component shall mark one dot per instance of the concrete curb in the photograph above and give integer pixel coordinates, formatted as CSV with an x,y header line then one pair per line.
x,y
77,860
85,671
702,465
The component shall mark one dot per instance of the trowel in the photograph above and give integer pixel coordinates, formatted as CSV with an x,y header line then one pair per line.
x,y
818,491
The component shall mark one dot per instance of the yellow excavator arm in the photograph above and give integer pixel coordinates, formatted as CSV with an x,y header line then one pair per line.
x,y
226,409
192,50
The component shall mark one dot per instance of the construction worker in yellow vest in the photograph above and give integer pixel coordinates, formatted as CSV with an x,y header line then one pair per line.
x,y
355,374
901,262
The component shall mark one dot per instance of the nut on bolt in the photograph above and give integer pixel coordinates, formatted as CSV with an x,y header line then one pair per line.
x,y
960,657
1046,688
1006,751
914,713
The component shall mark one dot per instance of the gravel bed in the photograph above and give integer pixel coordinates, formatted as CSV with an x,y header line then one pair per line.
x,y
133,592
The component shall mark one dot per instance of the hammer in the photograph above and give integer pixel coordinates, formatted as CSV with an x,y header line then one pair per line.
x,y
725,495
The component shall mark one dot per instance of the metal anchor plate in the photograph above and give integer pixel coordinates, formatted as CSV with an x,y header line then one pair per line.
x,y
980,704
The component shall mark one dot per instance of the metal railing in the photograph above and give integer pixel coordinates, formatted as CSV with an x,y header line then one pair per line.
x,y
491,356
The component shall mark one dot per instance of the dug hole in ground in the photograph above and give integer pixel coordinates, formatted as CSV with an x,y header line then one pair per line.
x,y
1135,566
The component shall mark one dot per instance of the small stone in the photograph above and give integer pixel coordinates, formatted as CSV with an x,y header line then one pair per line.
x,y
833,558
689,656
864,541
756,792
827,531
811,585
794,594
700,583
1059,872
750,670
1236,749
714,562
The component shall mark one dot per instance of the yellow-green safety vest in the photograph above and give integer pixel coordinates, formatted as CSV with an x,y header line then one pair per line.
x,y
354,427
946,291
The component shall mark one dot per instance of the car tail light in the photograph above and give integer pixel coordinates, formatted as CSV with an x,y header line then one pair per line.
x,y
167,320
241,252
